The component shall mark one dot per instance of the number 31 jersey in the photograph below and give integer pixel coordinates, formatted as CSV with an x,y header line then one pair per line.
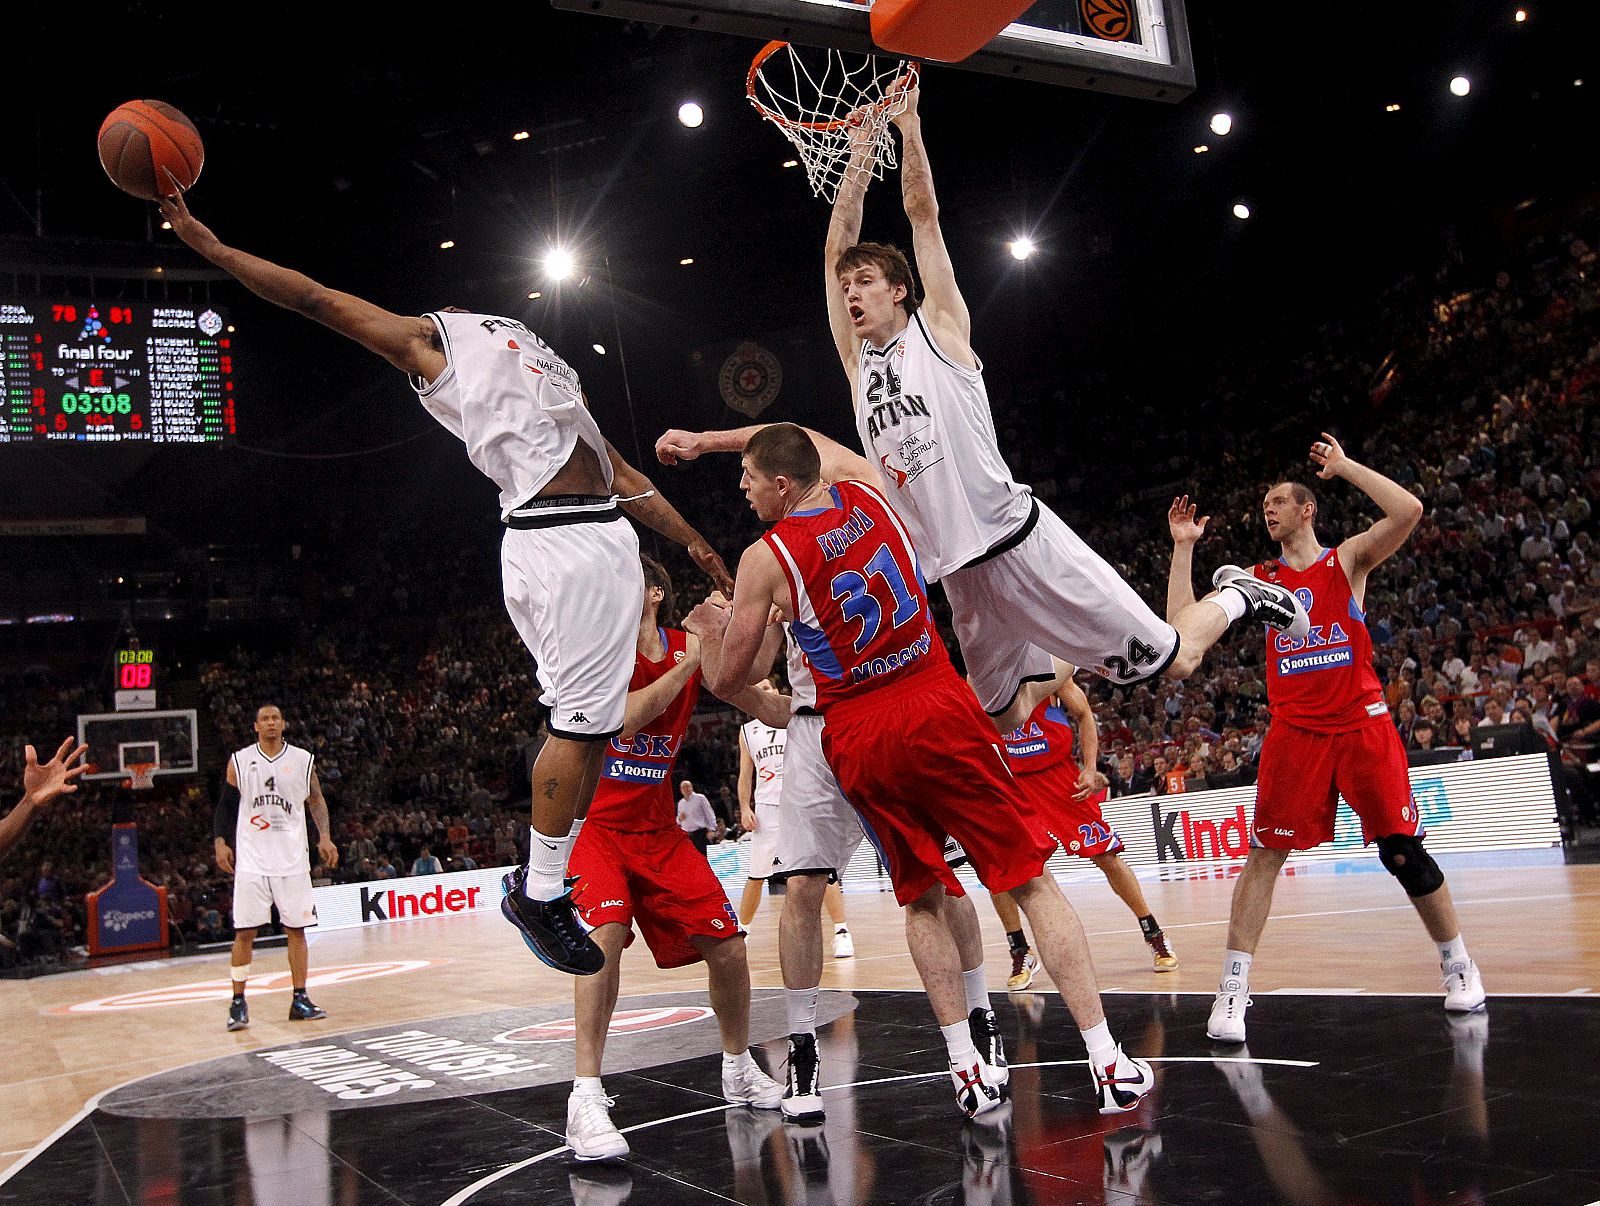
x,y
861,614
271,836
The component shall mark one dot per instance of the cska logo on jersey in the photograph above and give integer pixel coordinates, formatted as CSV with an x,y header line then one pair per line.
x,y
678,656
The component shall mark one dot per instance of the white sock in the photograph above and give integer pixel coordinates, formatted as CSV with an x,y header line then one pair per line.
x,y
547,863
1232,601
977,993
730,1062
1453,952
841,928
1102,1047
801,1005
587,1086
958,1042
1235,971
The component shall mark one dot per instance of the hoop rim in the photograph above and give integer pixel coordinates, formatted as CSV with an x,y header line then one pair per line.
x,y
141,775
913,70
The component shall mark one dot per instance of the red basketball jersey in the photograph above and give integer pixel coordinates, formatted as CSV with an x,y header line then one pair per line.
x,y
1324,683
1040,742
635,789
861,614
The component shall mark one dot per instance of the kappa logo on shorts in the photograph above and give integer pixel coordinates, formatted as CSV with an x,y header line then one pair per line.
x,y
578,718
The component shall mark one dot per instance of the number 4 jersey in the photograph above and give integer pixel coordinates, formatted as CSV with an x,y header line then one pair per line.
x,y
271,835
861,615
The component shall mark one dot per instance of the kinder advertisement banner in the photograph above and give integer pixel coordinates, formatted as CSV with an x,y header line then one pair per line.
x,y
1498,804
381,900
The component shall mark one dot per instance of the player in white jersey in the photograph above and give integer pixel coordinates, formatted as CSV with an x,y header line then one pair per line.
x,y
569,565
1021,584
269,789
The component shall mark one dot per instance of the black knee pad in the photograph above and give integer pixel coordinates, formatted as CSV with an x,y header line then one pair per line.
x,y
1404,858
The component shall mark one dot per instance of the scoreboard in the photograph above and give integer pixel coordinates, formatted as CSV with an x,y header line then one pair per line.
x,y
115,372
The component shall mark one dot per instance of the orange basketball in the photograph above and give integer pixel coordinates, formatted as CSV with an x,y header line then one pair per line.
x,y
142,140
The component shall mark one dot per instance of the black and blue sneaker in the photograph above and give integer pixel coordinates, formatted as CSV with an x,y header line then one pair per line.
x,y
301,1009
550,928
238,1015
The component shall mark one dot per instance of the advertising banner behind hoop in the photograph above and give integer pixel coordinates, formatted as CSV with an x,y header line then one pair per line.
x,y
381,900
1498,804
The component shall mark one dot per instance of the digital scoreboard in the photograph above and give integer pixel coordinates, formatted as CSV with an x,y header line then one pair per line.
x,y
115,372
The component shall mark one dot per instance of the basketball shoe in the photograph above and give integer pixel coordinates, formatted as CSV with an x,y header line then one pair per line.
x,y
977,1091
590,1133
844,946
744,1083
985,1031
1463,987
802,1096
1121,1083
1024,966
550,928
1226,1024
1165,958
600,1184
301,1009
1275,606
238,1015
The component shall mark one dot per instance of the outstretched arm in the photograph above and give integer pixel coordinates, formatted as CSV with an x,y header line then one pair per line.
x,y
943,306
409,343
1186,531
656,513
1365,551
41,783
839,464
844,231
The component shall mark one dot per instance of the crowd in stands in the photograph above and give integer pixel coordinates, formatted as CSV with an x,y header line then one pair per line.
x,y
1478,393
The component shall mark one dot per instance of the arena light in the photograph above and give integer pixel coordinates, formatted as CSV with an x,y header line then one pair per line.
x,y
1020,247
1221,124
559,264
534,295
1201,149
1241,211
686,261
1520,16
599,347
520,136
1392,107
789,163
1460,85
165,225
447,245
691,114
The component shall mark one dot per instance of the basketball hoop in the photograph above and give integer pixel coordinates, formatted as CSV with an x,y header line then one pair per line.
x,y
141,776
826,102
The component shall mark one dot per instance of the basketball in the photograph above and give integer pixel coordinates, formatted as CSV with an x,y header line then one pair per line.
x,y
142,140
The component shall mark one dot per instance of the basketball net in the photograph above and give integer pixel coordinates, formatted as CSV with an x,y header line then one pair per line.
x,y
141,776
827,103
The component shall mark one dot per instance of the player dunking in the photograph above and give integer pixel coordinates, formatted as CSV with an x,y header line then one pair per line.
x,y
1021,584
569,565
840,567
1065,799
268,790
634,866
761,760
1331,734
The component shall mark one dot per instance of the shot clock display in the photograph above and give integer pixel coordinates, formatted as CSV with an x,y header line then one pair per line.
x,y
88,371
136,670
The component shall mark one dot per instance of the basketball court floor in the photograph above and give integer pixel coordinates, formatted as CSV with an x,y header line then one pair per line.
x,y
441,1073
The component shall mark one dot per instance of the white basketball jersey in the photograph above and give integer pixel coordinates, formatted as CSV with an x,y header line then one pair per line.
x,y
271,836
802,687
515,404
765,744
924,420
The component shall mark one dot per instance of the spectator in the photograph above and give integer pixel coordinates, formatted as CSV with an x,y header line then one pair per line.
x,y
695,816
426,863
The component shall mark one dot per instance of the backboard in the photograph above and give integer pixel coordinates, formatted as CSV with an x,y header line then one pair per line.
x,y
116,740
1128,47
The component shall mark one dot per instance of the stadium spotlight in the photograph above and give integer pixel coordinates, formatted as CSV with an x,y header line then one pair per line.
x,y
520,136
165,225
1520,16
1201,149
686,261
1241,210
599,347
1221,123
447,245
1392,107
559,264
788,163
534,295
1020,247
1460,85
691,114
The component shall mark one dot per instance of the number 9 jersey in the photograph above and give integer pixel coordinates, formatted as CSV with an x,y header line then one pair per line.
x,y
861,614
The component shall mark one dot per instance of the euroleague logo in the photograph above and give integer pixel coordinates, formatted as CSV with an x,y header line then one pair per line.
x,y
1108,19
628,1021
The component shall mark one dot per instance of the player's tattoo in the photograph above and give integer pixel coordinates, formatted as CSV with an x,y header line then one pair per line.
x,y
550,786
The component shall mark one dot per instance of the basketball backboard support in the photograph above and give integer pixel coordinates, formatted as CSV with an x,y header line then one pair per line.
x,y
117,740
1141,47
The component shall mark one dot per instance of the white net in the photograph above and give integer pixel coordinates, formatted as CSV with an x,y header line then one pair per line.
x,y
834,107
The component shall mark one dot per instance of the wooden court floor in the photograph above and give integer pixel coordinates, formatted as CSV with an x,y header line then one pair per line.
x,y
1533,930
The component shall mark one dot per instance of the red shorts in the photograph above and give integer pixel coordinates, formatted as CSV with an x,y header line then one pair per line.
x,y
921,760
656,878
1303,774
1077,824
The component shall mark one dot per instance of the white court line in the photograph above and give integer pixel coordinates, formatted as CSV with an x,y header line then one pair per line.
x,y
484,1182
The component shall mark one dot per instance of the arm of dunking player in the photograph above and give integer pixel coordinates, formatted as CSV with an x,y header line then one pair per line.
x,y
844,231
943,306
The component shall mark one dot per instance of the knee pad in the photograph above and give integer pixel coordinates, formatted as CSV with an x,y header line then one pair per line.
x,y
239,972
1404,858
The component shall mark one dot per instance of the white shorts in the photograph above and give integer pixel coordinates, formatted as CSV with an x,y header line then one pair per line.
x,y
820,831
1052,594
575,593
254,895
763,851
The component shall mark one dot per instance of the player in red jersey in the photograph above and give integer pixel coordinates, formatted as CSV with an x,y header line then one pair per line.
x,y
912,749
633,865
1066,799
1331,733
